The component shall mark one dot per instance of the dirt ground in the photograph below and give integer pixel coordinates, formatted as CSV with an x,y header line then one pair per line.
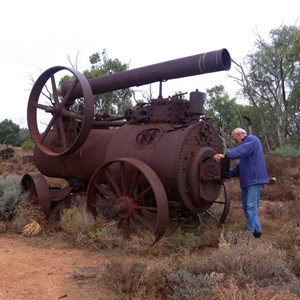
x,y
43,268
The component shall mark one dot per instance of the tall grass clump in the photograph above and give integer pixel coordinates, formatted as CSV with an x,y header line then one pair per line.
x,y
76,219
11,193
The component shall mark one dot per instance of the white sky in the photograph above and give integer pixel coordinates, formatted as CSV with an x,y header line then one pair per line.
x,y
39,34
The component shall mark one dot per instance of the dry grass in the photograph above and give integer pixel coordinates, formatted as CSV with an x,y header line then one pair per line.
x,y
195,261
26,213
76,219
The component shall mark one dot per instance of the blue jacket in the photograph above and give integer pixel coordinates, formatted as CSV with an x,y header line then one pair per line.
x,y
251,167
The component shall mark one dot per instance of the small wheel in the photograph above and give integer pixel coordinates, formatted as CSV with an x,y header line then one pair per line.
x,y
129,190
220,208
59,125
37,186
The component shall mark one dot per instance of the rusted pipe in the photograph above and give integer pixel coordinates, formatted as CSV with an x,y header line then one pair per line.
x,y
208,62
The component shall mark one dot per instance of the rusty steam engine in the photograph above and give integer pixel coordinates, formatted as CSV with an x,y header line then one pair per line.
x,y
141,168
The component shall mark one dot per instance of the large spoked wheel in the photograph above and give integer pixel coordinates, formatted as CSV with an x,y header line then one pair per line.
x,y
220,208
37,187
59,125
128,190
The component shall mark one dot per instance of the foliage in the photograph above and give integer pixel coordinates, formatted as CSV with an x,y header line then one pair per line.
x,y
221,109
7,152
112,102
11,194
226,115
9,132
27,146
287,151
12,134
24,135
270,81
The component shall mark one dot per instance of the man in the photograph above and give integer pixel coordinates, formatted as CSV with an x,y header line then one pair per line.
x,y
252,172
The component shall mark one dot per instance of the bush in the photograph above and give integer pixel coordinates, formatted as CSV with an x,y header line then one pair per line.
x,y
287,151
76,220
7,153
11,194
27,146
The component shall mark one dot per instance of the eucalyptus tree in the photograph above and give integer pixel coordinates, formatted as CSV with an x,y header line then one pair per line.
x,y
222,110
270,80
115,102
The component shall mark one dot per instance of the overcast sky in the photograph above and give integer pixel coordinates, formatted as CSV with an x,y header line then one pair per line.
x,y
39,34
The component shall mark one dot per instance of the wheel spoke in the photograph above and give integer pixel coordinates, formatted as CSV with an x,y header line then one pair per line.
x,y
219,210
123,178
71,126
54,89
144,222
62,132
47,130
106,193
45,108
72,114
143,193
112,181
220,202
67,96
146,208
211,215
133,183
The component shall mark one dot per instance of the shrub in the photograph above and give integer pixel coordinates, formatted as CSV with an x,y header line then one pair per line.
x,y
27,146
76,220
11,194
7,153
287,151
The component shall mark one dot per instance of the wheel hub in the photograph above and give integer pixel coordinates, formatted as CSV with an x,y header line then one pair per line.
x,y
124,207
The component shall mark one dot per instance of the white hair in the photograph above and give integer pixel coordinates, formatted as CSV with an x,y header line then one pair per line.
x,y
239,130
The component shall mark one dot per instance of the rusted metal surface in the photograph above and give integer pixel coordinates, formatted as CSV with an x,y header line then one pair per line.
x,y
203,63
71,124
130,190
37,187
138,167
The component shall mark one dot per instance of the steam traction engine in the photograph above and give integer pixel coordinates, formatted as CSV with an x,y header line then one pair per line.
x,y
141,168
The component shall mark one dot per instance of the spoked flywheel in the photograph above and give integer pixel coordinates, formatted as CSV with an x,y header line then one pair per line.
x,y
128,190
60,124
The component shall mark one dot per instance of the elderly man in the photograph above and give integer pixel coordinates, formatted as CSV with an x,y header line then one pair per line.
x,y
252,173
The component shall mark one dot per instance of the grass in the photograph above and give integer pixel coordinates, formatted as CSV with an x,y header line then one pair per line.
x,y
191,261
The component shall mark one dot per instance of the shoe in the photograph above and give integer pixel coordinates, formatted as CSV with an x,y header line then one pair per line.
x,y
257,234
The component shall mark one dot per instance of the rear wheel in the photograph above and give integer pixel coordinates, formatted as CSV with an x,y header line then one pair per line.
x,y
128,190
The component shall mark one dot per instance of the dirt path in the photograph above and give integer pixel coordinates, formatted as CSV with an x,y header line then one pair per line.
x,y
40,268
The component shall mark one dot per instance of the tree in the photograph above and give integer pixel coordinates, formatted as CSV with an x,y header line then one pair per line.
x,y
224,112
270,81
24,135
115,102
9,133
220,108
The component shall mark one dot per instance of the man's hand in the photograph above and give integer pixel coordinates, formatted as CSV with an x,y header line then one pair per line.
x,y
218,157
